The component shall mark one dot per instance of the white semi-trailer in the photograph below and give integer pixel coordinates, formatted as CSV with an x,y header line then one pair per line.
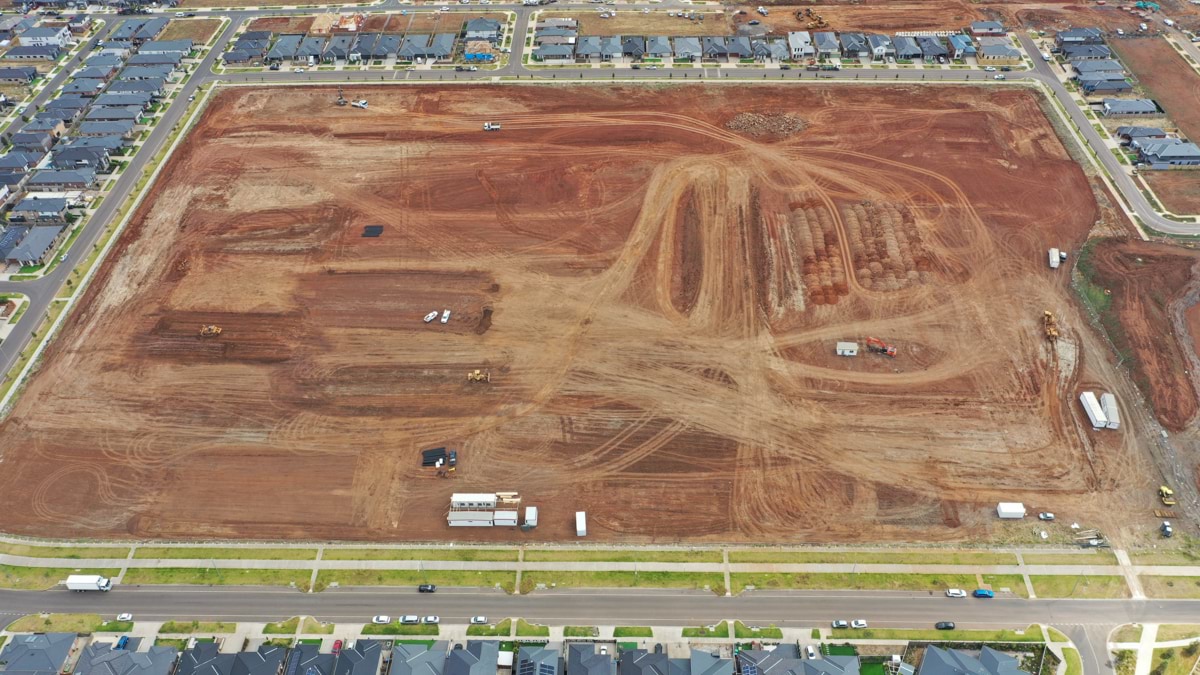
x,y
1108,403
1094,410
88,582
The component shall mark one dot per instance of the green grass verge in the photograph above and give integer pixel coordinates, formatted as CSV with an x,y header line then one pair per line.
x,y
467,554
1170,587
744,632
1130,632
526,629
72,552
1030,634
1169,632
1096,558
720,630
502,629
1093,586
1174,661
67,623
313,627
41,578
633,632
204,553
506,580
1056,635
1124,661
179,644
579,631
193,627
1074,663
563,579
875,557
702,556
283,627
1169,557
876,581
400,629
217,577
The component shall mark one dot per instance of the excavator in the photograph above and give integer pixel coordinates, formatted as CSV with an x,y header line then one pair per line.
x,y
341,99
877,346
1167,495
210,331
1050,326
479,376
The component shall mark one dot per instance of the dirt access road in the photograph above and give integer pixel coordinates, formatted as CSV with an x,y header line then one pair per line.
x,y
657,299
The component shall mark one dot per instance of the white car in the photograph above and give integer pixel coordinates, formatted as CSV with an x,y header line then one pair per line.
x,y
478,620
445,9
297,70
810,651
432,619
998,76
125,617
990,69
445,315
381,619
955,593
858,623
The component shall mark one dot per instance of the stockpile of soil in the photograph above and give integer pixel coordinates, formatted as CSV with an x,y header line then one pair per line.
x,y
766,124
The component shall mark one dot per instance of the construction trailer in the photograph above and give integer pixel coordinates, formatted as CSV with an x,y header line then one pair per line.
x,y
1054,261
1108,403
530,516
505,519
470,518
847,349
1010,510
1094,410
580,523
471,500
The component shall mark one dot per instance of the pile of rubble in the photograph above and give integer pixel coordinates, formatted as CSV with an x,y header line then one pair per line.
x,y
769,124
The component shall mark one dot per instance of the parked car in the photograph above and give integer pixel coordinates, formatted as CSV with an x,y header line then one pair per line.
x,y
944,625
1045,515
297,70
636,67
337,646
125,616
1006,69
381,619
955,593
983,593
858,623
810,652
840,624
478,620
410,619
990,69
431,619
785,67
459,69
426,588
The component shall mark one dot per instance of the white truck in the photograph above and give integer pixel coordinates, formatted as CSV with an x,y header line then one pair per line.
x,y
491,126
1054,261
88,582
362,104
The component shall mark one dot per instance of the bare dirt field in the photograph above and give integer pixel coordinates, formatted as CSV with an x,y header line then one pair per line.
x,y
1179,191
1169,79
628,21
907,15
283,24
656,297
200,31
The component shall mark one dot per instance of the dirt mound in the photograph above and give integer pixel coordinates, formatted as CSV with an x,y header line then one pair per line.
x,y
766,124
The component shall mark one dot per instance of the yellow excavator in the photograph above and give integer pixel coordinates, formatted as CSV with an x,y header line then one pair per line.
x,y
1167,495
210,331
479,376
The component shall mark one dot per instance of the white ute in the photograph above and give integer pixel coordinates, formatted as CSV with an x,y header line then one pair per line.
x,y
431,316
445,315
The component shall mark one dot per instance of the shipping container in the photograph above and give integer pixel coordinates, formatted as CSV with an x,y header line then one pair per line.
x,y
1108,403
847,349
1055,260
580,524
1094,410
505,519
1010,510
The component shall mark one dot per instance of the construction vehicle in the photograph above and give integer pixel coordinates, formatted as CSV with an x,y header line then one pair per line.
x,y
341,100
1167,495
877,346
210,331
361,104
491,126
1152,6
1050,326
1166,529
479,376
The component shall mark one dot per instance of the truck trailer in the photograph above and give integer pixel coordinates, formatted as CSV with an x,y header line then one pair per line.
x,y
580,524
1010,510
1108,403
1094,410
1054,261
88,582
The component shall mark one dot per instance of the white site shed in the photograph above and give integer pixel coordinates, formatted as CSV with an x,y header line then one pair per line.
x,y
530,516
847,349
470,519
505,519
473,500
1094,410
1010,510
1108,403
1054,259
580,523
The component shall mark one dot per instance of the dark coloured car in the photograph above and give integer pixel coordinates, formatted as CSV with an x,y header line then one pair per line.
x,y
785,67
426,588
459,69
983,593
944,625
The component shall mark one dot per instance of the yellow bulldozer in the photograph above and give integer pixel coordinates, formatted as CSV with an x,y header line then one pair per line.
x,y
210,331
1050,326
1167,495
479,376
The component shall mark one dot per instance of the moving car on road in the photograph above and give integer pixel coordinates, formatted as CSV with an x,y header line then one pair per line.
x,y
430,588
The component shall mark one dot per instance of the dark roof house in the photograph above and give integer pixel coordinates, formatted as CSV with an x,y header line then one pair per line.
x,y
584,659
411,659
41,653
537,660
102,659
479,658
361,659
938,661
204,659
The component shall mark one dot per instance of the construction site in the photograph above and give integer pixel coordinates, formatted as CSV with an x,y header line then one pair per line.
x,y
623,301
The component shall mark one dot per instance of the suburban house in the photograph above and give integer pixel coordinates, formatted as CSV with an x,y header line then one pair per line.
x,y
74,158
149,30
36,248
554,53
854,46
557,23
1130,134
361,659
880,46
997,52
284,49
482,29
1098,83
84,87
341,45
47,53
826,43
537,660
1086,52
687,48
46,652
961,46
104,73
770,51
307,659
115,114
987,28
153,87
479,658
102,60
10,237
49,124
713,48
310,50
785,659
932,48
584,659
36,210
1099,66
418,659
20,75
111,143
19,162
79,23
1167,153
633,47
110,100
32,141
172,59
1079,36
167,47
659,47
204,659
906,48
118,48
46,37
646,662
1114,107
53,180
610,48
11,25
587,48
739,47
938,661
122,129
800,45
99,658
144,73
547,35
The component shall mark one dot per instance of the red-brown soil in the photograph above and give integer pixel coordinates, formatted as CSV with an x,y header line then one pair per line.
x,y
656,297
1169,79
1179,191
